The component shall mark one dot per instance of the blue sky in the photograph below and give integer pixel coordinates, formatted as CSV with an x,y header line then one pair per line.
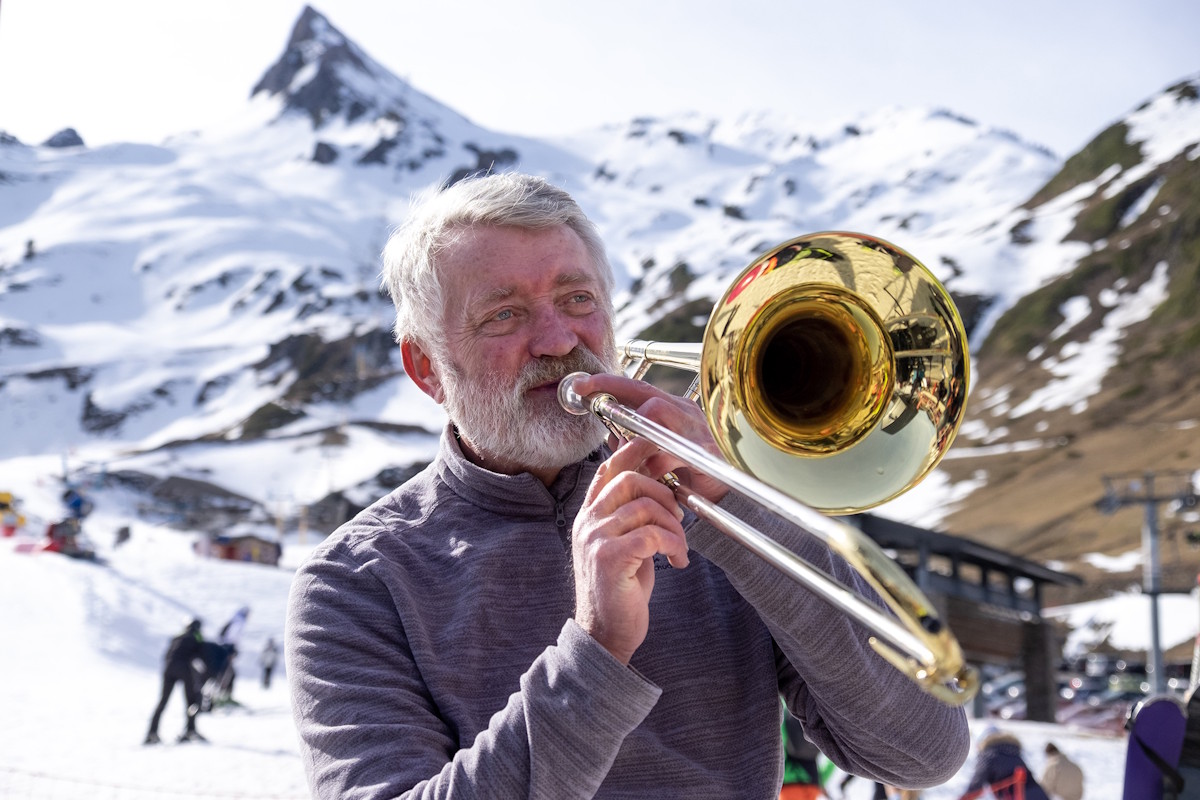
x,y
1054,72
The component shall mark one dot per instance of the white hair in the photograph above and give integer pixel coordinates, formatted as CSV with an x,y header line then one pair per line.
x,y
438,218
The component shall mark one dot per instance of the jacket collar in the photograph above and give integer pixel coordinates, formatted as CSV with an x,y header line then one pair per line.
x,y
520,495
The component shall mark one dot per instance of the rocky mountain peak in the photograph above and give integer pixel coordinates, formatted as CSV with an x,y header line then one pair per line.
x,y
360,110
325,75
67,137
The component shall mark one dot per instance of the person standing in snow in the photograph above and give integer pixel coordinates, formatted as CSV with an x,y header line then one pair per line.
x,y
218,690
231,631
1062,778
801,774
179,666
10,519
1000,769
270,655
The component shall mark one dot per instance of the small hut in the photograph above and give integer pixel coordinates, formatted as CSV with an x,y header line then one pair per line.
x,y
245,546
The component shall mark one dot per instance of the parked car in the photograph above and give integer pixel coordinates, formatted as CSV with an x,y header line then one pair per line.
x,y
1002,690
1077,688
1017,709
1105,711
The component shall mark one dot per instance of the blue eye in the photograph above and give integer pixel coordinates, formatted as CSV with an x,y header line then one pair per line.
x,y
505,314
581,299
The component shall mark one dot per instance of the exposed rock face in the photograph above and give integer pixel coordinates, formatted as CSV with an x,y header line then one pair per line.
x,y
67,137
311,76
324,77
318,46
324,153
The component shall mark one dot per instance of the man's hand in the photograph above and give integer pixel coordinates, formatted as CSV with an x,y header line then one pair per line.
x,y
679,414
626,518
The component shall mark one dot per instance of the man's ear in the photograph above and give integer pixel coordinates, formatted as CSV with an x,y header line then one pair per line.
x,y
420,368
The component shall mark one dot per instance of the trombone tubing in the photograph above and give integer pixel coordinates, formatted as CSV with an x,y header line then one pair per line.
x,y
682,355
606,406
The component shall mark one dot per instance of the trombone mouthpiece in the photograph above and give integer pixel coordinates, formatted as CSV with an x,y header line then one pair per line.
x,y
570,399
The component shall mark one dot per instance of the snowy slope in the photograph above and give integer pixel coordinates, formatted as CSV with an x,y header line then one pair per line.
x,y
82,676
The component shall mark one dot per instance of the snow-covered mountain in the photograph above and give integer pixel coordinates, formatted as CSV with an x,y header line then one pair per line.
x,y
207,307
1093,371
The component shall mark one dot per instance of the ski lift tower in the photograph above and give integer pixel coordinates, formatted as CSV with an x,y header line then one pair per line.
x,y
1133,488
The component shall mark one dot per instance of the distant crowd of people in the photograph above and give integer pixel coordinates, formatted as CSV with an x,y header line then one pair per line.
x,y
64,534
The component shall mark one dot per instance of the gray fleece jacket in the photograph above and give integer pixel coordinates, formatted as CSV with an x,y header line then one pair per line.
x,y
431,653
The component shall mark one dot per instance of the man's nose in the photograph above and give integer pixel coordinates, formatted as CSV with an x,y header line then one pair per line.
x,y
554,334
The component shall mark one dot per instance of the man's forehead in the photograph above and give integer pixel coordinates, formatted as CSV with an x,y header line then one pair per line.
x,y
495,260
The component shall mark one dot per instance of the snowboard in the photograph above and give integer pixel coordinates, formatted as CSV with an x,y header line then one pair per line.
x,y
1156,729
1189,759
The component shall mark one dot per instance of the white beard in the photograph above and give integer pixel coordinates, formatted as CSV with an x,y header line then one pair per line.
x,y
502,425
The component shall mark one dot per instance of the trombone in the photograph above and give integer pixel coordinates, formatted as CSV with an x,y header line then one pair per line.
x,y
833,373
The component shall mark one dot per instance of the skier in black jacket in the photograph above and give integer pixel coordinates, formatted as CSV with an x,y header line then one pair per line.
x,y
178,665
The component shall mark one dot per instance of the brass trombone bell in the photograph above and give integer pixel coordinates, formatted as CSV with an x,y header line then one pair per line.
x,y
834,367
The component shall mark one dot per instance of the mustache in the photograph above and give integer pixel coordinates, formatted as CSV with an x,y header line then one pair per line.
x,y
544,371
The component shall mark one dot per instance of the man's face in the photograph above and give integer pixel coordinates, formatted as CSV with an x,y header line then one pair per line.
x,y
522,309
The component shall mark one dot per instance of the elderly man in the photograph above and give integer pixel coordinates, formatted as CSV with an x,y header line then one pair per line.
x,y
533,615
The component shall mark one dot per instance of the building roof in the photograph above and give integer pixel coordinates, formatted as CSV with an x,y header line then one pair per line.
x,y
890,534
